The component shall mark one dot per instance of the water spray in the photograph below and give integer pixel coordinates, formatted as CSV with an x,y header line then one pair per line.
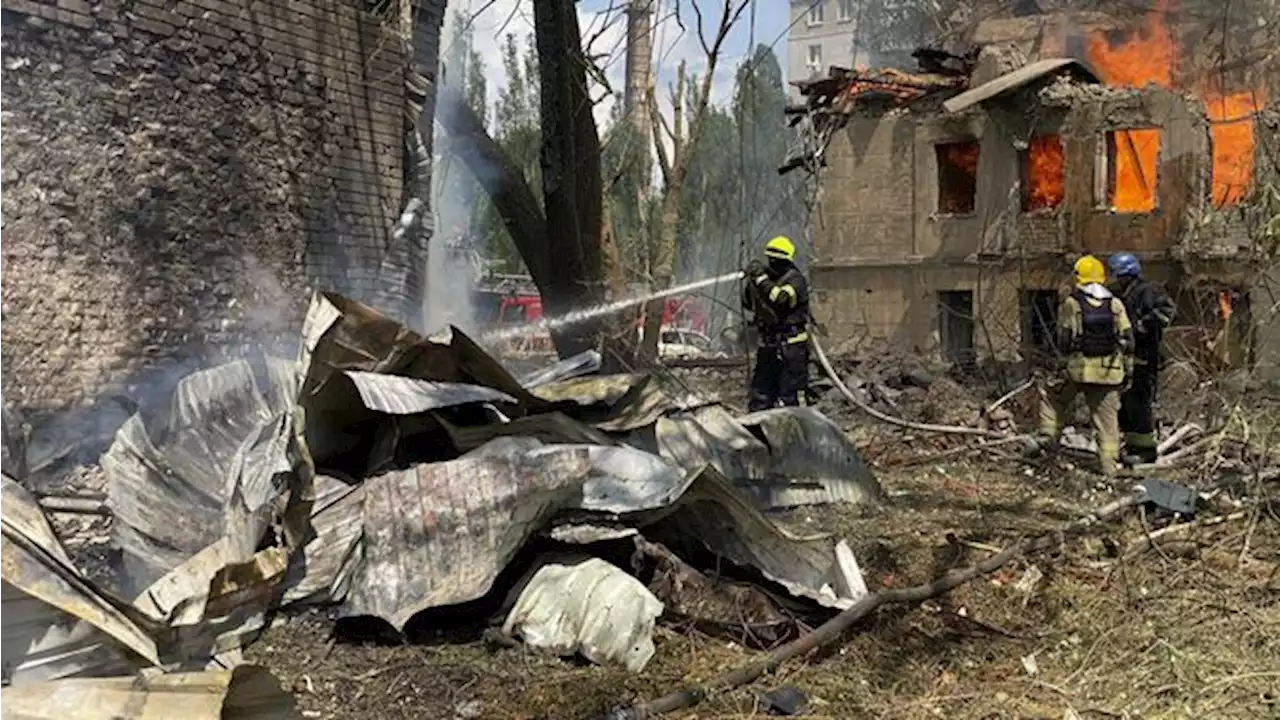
x,y
550,324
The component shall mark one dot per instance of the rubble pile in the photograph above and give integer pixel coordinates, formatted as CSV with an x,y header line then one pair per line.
x,y
383,474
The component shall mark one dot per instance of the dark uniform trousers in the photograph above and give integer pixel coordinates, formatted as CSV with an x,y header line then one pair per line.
x,y
1137,413
781,374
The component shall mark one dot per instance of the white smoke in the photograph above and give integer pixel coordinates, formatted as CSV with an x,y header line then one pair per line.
x,y
452,262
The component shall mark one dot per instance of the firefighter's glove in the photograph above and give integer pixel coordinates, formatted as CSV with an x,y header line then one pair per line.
x,y
756,271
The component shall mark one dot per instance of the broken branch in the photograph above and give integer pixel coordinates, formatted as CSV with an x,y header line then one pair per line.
x,y
835,627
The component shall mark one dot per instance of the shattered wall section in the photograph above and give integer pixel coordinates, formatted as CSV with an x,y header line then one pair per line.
x,y
176,174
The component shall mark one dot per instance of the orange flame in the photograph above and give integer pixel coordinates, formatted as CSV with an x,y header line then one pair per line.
x,y
1148,56
1231,142
1136,156
1046,170
959,162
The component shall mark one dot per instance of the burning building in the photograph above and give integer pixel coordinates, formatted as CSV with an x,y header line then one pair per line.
x,y
954,200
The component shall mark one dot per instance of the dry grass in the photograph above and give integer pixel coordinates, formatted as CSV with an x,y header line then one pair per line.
x,y
1189,628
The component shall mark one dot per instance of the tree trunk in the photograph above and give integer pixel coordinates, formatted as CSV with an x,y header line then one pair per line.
x,y
571,184
663,269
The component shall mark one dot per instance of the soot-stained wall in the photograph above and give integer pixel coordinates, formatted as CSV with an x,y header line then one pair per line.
x,y
178,174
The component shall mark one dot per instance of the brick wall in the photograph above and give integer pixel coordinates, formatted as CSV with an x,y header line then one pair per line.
x,y
177,175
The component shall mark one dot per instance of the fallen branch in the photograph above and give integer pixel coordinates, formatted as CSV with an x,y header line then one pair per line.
x,y
1178,435
1146,540
75,505
1010,395
884,417
835,627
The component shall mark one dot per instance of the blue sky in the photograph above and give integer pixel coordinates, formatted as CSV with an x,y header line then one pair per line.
x,y
603,28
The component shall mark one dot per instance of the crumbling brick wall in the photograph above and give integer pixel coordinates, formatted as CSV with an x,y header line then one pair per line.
x,y
179,173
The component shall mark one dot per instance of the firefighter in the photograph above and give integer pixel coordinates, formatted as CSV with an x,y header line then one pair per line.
x,y
1096,339
777,295
1151,311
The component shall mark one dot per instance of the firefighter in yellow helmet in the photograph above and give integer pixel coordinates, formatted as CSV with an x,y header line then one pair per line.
x,y
777,296
1096,340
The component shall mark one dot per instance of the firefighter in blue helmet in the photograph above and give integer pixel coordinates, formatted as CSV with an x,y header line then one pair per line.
x,y
777,295
1150,311
1095,336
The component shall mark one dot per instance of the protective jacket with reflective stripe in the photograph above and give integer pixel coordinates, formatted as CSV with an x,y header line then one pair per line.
x,y
781,306
1151,311
1094,367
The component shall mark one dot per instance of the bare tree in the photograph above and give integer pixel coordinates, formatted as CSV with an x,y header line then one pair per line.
x,y
683,133
567,265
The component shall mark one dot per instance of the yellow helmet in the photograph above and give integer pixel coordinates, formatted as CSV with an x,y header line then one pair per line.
x,y
1089,270
780,247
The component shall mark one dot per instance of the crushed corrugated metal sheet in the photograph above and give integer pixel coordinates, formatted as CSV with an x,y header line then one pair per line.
x,y
812,457
549,427
55,623
713,514
211,466
248,692
393,473
439,533
614,403
321,573
584,363
213,602
795,456
578,604
341,335
398,395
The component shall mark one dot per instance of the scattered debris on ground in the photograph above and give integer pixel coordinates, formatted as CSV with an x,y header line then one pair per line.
x,y
396,526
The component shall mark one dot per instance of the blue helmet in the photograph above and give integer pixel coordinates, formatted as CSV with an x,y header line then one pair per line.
x,y
1122,264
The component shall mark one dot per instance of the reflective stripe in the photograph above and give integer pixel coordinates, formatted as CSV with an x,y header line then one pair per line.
x,y
779,290
802,337
1140,440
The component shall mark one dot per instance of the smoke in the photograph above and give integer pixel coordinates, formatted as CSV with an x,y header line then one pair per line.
x,y
454,266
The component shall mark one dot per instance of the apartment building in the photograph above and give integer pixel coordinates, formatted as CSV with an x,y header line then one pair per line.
x,y
821,34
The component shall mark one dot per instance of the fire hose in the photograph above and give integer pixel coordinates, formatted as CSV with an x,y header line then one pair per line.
x,y
885,417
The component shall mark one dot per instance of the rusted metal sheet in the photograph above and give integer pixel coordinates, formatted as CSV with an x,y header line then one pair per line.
x,y
583,605
398,395
1018,78
248,692
55,623
214,602
439,533
341,335
209,467
613,403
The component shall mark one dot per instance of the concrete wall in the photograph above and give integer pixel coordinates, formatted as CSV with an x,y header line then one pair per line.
x,y
177,174
833,34
882,251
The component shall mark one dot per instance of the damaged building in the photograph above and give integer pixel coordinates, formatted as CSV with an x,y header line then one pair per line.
x,y
178,175
953,200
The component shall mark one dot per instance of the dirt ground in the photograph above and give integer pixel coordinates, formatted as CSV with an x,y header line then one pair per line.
x,y
1188,628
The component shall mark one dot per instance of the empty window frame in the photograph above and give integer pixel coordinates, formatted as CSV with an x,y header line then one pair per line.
x,y
814,60
1040,323
955,326
1044,173
1127,170
816,12
957,177
844,11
